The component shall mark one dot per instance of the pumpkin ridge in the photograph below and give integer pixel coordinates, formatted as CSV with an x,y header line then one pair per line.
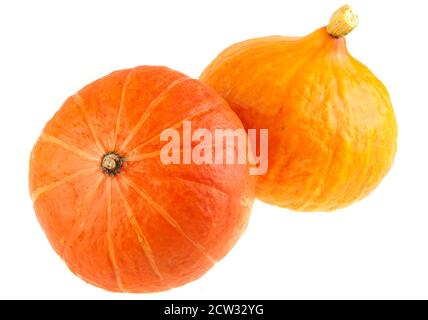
x,y
168,218
143,156
54,140
87,198
147,112
110,245
141,237
173,126
199,183
328,168
121,104
340,89
366,75
150,155
188,180
81,104
358,190
41,190
308,202
140,170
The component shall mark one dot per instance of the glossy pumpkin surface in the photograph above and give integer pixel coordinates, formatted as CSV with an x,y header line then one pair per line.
x,y
120,218
332,129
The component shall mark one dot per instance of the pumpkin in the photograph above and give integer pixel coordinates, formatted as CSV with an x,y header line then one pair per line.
x,y
332,129
120,218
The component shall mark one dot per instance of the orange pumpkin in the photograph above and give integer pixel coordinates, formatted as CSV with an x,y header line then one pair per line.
x,y
332,129
119,218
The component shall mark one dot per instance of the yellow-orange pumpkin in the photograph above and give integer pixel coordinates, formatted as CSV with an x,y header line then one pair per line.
x,y
120,218
332,129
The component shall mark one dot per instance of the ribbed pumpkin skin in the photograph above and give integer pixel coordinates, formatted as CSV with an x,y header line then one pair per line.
x,y
332,129
152,226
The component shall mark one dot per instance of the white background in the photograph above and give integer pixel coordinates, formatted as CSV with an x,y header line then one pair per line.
x,y
377,248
